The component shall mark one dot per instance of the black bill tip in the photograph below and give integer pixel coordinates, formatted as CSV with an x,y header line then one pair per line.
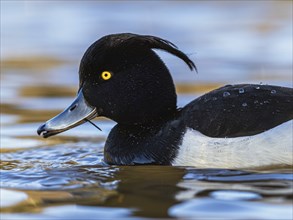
x,y
42,131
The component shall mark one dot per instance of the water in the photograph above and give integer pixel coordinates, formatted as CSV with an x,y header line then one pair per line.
x,y
64,177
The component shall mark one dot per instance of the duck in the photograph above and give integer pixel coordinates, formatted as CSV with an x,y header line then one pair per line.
x,y
122,78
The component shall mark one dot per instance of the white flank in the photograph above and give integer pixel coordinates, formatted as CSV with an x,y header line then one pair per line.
x,y
270,148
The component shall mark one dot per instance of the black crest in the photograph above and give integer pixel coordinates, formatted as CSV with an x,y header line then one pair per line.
x,y
128,40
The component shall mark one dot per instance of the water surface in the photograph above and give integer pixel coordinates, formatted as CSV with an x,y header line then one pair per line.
x,y
64,177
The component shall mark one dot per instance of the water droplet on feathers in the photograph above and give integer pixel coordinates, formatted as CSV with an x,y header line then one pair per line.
x,y
241,90
225,94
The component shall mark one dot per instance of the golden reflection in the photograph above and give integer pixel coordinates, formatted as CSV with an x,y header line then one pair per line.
x,y
32,62
38,200
27,115
8,165
189,88
47,91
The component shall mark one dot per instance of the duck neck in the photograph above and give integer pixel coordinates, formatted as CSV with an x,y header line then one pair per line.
x,y
154,143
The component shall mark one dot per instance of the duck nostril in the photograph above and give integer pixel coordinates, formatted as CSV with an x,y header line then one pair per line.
x,y
73,107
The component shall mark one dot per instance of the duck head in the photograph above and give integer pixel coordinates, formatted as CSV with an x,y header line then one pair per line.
x,y
123,79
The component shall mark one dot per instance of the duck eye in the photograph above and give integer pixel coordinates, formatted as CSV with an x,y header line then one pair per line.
x,y
106,75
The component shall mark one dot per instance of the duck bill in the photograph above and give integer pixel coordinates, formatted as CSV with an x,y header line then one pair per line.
x,y
76,114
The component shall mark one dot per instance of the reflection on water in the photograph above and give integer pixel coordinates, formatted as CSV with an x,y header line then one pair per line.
x,y
64,176
148,190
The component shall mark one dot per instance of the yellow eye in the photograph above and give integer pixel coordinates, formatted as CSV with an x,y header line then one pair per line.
x,y
106,75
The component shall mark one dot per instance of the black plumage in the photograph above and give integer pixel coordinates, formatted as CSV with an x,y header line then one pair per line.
x,y
239,110
140,96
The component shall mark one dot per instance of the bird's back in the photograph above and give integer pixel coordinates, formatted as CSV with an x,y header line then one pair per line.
x,y
239,110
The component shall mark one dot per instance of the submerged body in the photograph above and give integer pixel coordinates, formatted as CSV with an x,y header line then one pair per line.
x,y
235,126
214,131
166,146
